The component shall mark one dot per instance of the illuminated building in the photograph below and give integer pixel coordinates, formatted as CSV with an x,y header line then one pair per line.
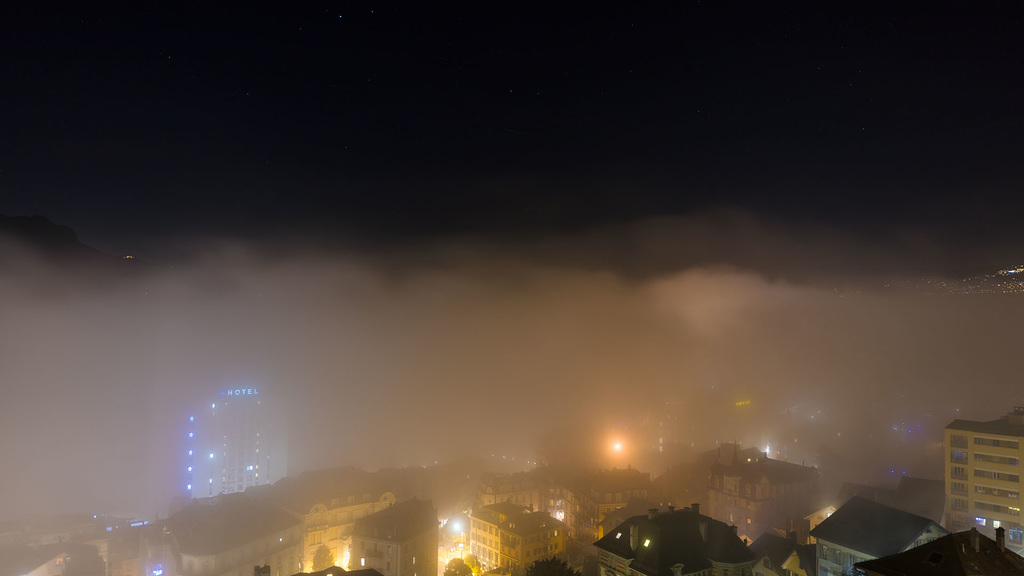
x,y
983,476
862,530
397,541
235,442
759,494
229,534
673,543
523,488
586,500
330,524
511,536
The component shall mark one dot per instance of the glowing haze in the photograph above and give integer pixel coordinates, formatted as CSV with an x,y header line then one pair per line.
x,y
477,346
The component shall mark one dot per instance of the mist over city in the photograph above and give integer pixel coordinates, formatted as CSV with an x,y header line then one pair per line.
x,y
466,350
525,291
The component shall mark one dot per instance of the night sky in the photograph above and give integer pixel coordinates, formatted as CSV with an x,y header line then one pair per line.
x,y
387,122
481,228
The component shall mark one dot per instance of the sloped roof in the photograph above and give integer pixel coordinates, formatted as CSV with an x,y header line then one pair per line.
x,y
399,522
299,495
872,528
775,547
532,523
951,555
1000,427
919,496
808,556
634,507
502,510
216,525
674,537
775,471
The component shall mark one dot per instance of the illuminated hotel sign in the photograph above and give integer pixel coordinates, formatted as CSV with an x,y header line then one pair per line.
x,y
240,392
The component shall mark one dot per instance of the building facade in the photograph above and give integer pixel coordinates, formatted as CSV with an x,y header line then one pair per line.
x,y
523,488
983,476
761,495
399,541
330,524
229,534
862,530
510,536
234,442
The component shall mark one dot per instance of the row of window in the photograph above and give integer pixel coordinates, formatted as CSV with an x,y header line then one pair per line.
x,y
1011,510
996,459
960,441
960,457
996,492
960,473
997,476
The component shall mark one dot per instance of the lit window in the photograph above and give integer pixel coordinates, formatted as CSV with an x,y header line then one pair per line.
x,y
647,543
189,468
189,452
211,454
188,486
191,418
191,434
362,561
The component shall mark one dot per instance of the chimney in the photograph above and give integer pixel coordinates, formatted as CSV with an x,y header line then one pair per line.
x,y
695,507
702,527
1001,538
975,540
652,513
671,508
634,535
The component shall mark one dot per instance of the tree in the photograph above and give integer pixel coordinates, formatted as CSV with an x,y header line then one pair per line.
x,y
550,567
323,559
457,567
474,564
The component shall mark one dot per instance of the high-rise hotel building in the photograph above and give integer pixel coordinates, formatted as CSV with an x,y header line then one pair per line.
x,y
983,476
233,443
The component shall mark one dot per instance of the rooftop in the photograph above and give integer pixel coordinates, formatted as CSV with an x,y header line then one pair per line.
x,y
1005,426
754,469
216,525
665,539
399,522
775,547
951,555
872,528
